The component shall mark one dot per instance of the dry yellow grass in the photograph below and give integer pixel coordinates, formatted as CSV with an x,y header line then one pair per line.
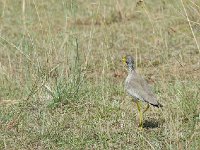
x,y
74,48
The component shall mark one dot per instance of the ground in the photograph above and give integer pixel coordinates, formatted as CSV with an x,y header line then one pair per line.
x,y
62,78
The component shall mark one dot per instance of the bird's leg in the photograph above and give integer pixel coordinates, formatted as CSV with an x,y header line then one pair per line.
x,y
140,114
146,108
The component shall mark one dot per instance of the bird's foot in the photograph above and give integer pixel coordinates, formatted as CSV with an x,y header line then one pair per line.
x,y
140,125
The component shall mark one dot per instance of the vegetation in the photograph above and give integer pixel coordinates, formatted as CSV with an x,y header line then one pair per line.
x,y
61,75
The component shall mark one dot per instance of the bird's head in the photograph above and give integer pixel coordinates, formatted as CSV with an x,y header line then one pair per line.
x,y
127,59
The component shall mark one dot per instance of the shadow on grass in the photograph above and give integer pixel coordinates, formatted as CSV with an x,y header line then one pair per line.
x,y
151,124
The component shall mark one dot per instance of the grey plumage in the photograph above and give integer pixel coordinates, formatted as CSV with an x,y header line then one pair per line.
x,y
137,87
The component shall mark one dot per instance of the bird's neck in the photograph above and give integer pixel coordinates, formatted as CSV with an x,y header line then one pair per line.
x,y
130,68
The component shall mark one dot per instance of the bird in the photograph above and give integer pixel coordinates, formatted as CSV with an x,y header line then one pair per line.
x,y
138,88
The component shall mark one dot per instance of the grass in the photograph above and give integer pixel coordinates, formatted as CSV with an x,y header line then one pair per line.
x,y
61,76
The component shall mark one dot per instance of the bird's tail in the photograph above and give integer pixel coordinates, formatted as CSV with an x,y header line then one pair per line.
x,y
159,105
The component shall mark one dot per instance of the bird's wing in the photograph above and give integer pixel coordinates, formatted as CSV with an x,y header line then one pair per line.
x,y
138,87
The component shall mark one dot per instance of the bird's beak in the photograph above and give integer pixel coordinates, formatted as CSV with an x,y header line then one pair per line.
x,y
124,59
